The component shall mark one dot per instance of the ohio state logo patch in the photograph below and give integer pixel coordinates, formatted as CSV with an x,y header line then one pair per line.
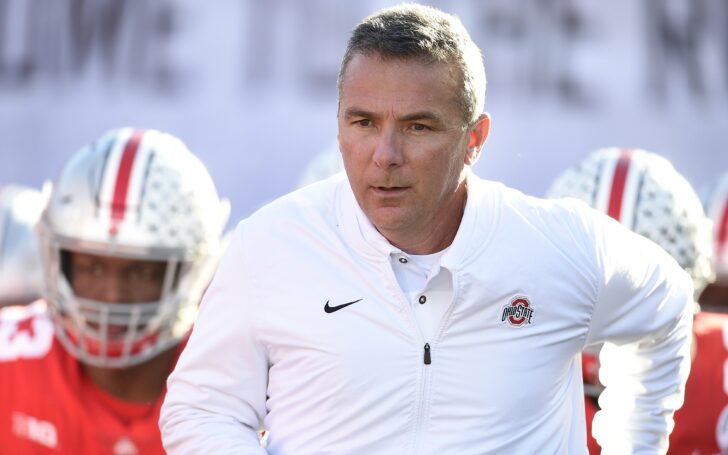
x,y
518,312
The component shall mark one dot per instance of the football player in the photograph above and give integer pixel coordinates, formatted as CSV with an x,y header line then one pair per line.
x,y
21,277
130,236
715,198
644,192
701,426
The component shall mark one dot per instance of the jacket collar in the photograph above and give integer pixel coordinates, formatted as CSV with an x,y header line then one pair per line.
x,y
476,227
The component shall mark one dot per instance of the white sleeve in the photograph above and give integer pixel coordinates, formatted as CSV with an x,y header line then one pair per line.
x,y
216,394
644,315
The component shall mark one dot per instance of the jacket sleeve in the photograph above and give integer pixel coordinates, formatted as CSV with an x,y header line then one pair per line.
x,y
216,394
643,314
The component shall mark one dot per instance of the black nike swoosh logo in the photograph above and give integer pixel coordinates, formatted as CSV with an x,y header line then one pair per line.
x,y
331,309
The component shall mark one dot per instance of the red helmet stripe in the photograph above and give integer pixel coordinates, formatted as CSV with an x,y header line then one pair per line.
x,y
619,181
121,187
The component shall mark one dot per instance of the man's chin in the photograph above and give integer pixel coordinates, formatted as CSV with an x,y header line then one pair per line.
x,y
388,218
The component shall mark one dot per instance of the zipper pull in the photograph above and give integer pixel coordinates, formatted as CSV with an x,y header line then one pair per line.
x,y
428,359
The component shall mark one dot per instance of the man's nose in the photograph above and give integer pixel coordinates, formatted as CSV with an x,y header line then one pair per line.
x,y
388,149
115,289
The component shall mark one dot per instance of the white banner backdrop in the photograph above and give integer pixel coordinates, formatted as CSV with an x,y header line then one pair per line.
x,y
250,85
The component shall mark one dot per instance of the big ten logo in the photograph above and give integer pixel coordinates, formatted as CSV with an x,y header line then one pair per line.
x,y
36,430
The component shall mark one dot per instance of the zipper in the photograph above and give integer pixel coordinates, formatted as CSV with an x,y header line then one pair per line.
x,y
423,402
423,392
427,373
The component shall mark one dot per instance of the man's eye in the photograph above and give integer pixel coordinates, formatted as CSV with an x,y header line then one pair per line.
x,y
364,122
420,127
146,274
94,270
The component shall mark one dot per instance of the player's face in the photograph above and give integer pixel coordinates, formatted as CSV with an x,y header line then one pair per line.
x,y
115,280
715,297
403,140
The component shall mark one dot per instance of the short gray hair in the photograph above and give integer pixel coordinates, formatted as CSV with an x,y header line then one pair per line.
x,y
422,32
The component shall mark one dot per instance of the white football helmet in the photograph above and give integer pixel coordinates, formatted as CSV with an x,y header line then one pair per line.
x,y
134,194
644,192
715,202
21,276
325,164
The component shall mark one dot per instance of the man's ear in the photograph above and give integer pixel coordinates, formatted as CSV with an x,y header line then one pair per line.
x,y
478,135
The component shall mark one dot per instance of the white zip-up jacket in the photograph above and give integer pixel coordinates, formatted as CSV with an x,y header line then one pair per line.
x,y
306,332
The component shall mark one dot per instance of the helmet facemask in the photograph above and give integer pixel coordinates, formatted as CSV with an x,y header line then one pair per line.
x,y
122,334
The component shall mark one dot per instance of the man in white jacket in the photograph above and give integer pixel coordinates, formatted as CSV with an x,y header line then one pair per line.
x,y
409,307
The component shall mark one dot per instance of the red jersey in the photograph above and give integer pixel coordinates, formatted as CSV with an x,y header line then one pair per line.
x,y
701,425
591,409
48,406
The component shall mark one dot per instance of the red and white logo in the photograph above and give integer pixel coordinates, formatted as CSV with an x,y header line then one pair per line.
x,y
34,429
518,312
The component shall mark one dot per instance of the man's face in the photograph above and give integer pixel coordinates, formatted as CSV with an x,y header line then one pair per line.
x,y
403,141
116,280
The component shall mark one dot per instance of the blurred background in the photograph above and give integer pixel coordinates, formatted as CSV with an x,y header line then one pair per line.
x,y
250,85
